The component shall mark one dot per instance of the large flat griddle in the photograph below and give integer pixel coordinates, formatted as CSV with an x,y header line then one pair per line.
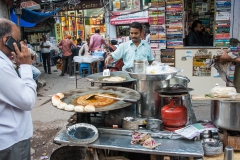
x,y
122,92
98,77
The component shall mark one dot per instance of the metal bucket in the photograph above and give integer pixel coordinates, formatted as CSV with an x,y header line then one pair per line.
x,y
225,114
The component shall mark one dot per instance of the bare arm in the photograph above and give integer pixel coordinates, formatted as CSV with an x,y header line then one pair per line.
x,y
90,44
105,44
59,45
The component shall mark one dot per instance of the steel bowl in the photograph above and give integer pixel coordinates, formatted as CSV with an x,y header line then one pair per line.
x,y
154,124
82,133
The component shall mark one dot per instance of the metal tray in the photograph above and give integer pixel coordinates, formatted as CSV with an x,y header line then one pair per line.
x,y
122,92
82,133
97,78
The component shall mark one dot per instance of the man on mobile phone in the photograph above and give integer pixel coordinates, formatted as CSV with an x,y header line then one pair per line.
x,y
17,97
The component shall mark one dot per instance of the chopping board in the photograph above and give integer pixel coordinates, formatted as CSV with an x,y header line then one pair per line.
x,y
201,97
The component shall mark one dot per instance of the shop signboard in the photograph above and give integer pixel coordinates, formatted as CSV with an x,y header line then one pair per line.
x,y
120,18
89,4
58,32
40,27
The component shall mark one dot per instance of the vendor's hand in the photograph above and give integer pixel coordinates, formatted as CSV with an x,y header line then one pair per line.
x,y
224,57
108,60
23,57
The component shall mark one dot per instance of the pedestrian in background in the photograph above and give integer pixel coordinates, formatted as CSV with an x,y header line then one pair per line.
x,y
45,50
148,37
65,45
36,72
96,41
84,51
17,97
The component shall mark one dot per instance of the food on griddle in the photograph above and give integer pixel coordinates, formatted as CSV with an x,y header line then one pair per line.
x,y
55,97
89,108
96,101
61,105
69,107
56,100
79,108
61,95
114,79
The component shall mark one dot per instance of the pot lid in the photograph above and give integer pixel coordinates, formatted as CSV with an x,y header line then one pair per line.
x,y
175,90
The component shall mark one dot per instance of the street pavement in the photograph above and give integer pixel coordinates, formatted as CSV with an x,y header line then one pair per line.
x,y
45,112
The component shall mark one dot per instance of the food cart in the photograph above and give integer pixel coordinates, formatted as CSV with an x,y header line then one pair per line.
x,y
144,88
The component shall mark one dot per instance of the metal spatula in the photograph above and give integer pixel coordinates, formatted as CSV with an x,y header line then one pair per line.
x,y
118,99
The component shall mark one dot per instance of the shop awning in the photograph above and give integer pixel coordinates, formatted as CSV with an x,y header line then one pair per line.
x,y
23,23
36,17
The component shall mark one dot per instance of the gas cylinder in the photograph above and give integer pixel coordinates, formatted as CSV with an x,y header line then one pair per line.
x,y
174,115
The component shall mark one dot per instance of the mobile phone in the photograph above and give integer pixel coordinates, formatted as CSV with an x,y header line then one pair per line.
x,y
9,44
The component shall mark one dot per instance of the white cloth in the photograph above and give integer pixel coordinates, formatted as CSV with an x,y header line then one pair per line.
x,y
86,49
17,98
87,59
45,50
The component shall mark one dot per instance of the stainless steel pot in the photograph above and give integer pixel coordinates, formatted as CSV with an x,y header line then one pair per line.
x,y
225,114
179,80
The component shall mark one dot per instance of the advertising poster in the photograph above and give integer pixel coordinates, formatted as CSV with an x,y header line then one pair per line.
x,y
58,32
199,63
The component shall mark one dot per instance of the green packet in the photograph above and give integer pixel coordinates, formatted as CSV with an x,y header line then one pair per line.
x,y
208,96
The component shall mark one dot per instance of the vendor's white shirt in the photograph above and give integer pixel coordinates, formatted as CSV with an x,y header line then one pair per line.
x,y
45,50
17,98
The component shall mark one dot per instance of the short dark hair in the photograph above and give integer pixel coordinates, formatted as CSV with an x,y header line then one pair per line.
x,y
136,25
114,42
5,28
97,31
195,23
79,40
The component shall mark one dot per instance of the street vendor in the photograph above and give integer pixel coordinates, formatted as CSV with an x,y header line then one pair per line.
x,y
135,49
226,58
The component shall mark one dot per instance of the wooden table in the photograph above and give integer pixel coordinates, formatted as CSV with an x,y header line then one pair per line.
x,y
201,97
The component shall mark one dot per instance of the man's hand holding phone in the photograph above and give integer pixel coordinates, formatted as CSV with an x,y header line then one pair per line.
x,y
23,56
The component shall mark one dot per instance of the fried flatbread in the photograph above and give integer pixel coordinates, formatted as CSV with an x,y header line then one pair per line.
x,y
96,101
